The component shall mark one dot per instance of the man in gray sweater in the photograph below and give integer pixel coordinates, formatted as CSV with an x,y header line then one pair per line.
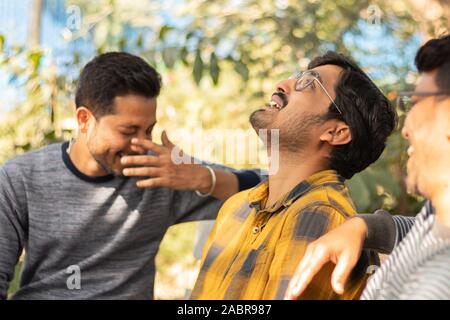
x,y
90,226
419,264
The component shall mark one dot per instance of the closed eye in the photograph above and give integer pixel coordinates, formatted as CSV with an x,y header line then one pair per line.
x,y
127,134
310,84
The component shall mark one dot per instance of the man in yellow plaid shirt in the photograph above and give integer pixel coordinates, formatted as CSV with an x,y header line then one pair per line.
x,y
333,122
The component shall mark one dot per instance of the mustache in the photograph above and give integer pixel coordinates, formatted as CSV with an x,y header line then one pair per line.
x,y
282,96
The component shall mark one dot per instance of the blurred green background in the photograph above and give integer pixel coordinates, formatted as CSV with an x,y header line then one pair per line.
x,y
219,60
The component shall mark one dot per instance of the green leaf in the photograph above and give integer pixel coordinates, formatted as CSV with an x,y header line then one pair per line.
x,y
139,41
183,56
5,61
198,67
214,69
163,32
2,42
258,94
122,43
169,56
241,69
76,58
35,58
50,136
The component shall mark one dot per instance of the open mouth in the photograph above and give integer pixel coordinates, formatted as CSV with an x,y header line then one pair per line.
x,y
278,101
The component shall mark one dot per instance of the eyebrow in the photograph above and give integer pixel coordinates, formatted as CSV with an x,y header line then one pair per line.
x,y
135,127
317,76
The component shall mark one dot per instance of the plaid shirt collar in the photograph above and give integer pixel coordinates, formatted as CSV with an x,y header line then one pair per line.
x,y
258,195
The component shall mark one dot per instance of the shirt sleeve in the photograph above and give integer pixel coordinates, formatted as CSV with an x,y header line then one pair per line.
x,y
385,231
300,230
188,206
12,233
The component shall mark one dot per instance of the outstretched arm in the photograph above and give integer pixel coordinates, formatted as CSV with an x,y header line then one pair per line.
x,y
343,246
168,167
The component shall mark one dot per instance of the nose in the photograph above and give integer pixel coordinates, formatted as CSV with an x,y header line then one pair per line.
x,y
141,135
285,86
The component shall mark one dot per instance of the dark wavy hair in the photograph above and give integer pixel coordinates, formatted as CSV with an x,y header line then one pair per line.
x,y
365,109
115,74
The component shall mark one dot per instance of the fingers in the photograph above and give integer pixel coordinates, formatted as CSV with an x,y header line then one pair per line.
x,y
344,267
152,183
140,160
165,140
142,172
296,278
313,261
148,145
138,149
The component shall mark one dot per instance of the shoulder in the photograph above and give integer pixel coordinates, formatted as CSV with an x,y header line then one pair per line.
x,y
237,201
331,200
31,158
237,208
32,162
238,198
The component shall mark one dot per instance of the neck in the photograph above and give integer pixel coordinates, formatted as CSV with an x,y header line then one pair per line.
x,y
441,203
293,168
83,160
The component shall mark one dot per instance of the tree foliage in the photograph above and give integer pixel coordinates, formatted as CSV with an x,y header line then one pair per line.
x,y
219,59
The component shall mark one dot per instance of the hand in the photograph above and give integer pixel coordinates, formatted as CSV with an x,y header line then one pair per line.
x,y
342,246
163,172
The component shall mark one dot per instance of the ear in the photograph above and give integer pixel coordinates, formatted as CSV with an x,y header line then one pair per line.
x,y
84,117
337,134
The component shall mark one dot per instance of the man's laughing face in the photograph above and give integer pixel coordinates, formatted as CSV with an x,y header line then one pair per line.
x,y
109,138
297,112
426,129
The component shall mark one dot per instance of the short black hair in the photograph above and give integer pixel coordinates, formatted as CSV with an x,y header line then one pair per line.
x,y
365,109
435,54
115,74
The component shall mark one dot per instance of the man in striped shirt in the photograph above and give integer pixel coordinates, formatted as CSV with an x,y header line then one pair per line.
x,y
419,266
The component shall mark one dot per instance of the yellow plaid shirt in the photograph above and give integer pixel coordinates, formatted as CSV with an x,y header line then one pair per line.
x,y
252,253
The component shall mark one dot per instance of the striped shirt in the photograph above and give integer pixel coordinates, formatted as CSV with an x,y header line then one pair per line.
x,y
252,253
403,225
419,267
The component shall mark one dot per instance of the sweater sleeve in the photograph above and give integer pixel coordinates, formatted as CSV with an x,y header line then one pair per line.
x,y
12,233
385,231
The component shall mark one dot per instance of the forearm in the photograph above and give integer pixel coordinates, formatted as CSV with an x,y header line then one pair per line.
x,y
227,182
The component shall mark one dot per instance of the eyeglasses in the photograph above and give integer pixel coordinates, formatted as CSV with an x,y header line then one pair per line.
x,y
306,79
407,99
